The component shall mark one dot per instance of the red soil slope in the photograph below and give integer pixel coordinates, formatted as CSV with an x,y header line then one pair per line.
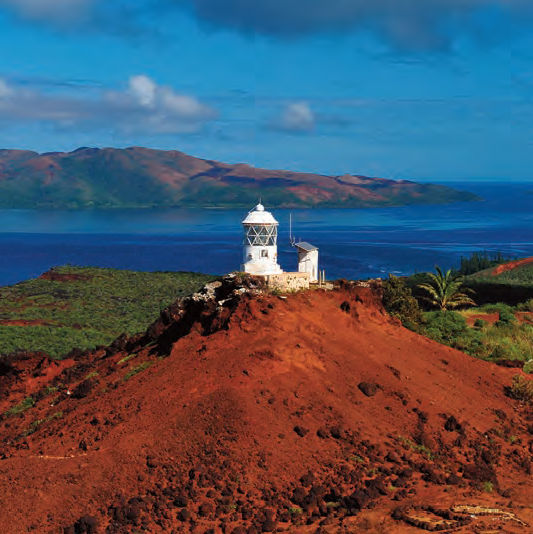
x,y
510,266
251,413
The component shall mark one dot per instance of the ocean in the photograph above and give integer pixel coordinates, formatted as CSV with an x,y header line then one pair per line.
x,y
353,243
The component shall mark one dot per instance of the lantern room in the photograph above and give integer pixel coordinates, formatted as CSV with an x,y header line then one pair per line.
x,y
260,247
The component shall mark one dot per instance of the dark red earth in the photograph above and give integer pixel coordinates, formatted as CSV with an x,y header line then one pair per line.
x,y
239,412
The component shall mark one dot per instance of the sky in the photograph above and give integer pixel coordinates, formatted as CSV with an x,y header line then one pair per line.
x,y
431,90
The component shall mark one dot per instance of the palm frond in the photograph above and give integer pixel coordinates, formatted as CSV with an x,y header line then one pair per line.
x,y
444,290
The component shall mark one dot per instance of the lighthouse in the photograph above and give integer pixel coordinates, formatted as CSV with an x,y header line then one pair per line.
x,y
260,247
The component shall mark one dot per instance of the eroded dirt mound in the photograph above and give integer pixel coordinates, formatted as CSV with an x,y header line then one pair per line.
x,y
244,412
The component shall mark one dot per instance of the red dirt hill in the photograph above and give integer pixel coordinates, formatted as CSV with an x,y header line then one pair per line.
x,y
242,412
510,266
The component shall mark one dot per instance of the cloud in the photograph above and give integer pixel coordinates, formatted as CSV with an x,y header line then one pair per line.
x,y
410,24
142,106
143,90
5,90
160,109
296,117
416,23
50,10
405,24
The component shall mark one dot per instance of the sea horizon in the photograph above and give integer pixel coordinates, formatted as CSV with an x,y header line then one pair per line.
x,y
353,243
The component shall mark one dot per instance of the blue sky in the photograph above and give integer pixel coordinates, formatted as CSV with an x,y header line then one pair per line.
x,y
420,89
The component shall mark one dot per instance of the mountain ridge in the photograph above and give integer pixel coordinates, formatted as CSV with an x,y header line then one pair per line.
x,y
138,177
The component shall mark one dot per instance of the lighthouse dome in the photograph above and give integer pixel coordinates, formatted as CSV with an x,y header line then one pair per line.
x,y
259,216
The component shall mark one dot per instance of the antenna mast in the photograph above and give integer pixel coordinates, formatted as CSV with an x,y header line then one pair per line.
x,y
292,241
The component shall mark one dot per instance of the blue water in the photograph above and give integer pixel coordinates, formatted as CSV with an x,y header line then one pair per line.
x,y
353,243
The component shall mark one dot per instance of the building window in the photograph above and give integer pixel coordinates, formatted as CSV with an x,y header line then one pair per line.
x,y
264,253
262,235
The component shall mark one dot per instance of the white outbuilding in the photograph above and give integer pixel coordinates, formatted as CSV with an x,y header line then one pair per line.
x,y
308,260
260,250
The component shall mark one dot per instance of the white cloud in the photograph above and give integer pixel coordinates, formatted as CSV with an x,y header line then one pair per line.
x,y
297,117
143,106
159,108
58,10
5,90
143,90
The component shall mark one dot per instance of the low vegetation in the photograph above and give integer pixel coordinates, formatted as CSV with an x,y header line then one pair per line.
x,y
494,331
85,307
521,389
136,370
21,407
400,303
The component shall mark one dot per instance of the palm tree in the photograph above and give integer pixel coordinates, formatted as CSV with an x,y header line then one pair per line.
x,y
444,290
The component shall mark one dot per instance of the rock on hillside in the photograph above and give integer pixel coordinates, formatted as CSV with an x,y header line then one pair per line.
x,y
141,177
239,411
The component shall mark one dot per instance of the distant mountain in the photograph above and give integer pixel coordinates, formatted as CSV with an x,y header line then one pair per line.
x,y
142,178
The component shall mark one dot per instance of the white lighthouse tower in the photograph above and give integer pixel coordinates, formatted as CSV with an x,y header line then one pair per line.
x,y
260,242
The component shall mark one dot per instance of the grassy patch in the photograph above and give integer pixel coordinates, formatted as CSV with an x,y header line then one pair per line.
x,y
521,276
506,339
94,374
136,370
37,424
126,359
21,407
422,449
90,310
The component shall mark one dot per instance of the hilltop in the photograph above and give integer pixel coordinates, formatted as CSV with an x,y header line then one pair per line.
x,y
510,282
138,177
240,411
515,272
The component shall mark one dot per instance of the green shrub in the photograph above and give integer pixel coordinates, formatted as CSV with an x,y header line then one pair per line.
x,y
488,487
521,389
498,307
528,367
506,350
398,300
445,326
480,323
295,510
526,306
450,328
506,317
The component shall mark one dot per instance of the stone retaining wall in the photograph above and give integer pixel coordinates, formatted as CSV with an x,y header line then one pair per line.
x,y
288,281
